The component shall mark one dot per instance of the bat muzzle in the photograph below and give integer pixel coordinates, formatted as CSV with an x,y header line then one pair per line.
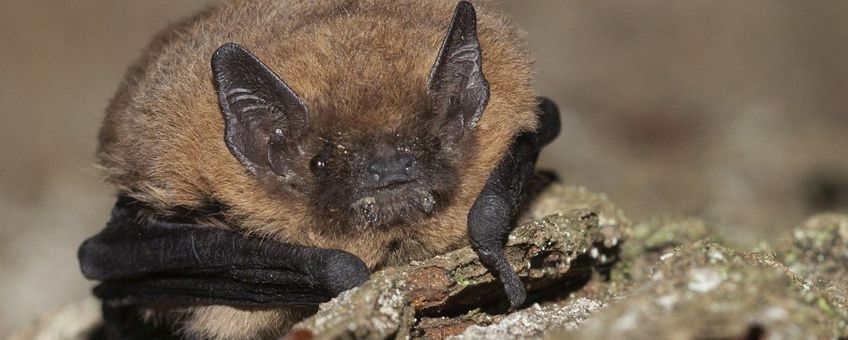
x,y
390,171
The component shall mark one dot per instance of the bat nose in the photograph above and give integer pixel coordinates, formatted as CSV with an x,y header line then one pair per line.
x,y
395,169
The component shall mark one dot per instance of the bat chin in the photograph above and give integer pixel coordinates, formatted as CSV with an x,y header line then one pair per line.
x,y
393,206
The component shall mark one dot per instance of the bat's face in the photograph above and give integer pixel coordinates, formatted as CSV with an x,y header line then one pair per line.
x,y
379,181
352,176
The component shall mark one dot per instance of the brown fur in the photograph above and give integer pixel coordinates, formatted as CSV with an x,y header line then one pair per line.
x,y
162,138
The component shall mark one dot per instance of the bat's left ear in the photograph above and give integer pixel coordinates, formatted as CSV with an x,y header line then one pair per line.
x,y
458,90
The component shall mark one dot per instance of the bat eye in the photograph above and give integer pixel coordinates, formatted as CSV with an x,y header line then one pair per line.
x,y
318,163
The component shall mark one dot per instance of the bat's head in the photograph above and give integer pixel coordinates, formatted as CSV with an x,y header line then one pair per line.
x,y
351,175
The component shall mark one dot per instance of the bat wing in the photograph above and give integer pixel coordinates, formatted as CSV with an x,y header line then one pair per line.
x,y
148,260
493,213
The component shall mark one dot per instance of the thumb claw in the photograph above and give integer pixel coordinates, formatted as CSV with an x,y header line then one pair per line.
x,y
514,289
494,259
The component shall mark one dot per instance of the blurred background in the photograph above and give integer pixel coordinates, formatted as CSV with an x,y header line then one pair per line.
x,y
731,111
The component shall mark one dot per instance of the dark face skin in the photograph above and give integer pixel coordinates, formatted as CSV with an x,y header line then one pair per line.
x,y
379,182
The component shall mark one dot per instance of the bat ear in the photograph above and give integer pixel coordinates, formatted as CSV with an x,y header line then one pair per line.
x,y
262,114
458,90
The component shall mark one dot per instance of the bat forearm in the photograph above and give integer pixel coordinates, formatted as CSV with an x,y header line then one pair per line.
x,y
493,213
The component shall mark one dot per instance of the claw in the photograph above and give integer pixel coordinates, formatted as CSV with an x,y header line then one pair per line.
x,y
514,288
495,259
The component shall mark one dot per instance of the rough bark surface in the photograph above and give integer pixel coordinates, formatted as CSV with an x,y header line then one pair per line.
x,y
591,275
558,249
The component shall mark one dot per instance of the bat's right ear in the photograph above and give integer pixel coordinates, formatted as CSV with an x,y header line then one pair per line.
x,y
261,112
457,87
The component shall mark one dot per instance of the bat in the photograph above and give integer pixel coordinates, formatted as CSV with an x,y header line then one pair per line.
x,y
326,140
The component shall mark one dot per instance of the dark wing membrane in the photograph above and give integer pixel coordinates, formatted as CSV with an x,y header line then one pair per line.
x,y
148,260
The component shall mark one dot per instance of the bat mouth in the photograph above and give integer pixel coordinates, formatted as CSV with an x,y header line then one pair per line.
x,y
393,205
394,185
